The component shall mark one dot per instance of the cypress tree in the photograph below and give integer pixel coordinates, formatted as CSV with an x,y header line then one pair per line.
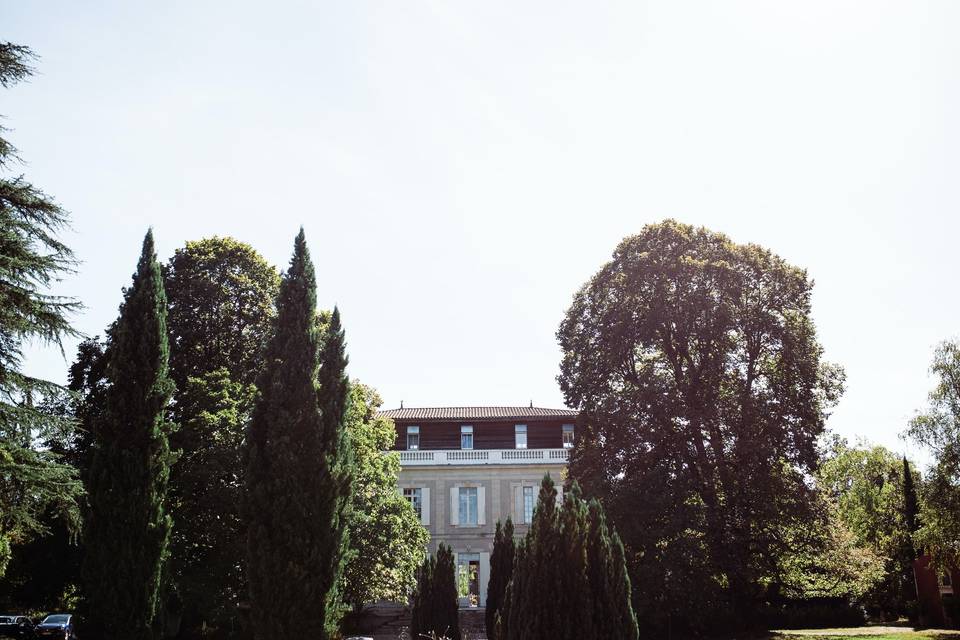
x,y
435,610
622,599
421,608
574,599
127,529
533,606
334,394
501,570
444,600
294,483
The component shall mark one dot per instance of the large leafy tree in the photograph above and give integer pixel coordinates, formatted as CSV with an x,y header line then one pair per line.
x,y
298,477
695,365
938,429
386,538
866,485
127,527
34,482
221,296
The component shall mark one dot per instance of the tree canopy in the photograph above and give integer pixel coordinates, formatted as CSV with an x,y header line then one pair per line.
x,y
34,481
387,539
938,429
695,364
127,525
297,483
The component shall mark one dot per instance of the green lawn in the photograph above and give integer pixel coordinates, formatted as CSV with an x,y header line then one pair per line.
x,y
868,633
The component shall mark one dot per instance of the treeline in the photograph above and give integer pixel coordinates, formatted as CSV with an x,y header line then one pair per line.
x,y
210,469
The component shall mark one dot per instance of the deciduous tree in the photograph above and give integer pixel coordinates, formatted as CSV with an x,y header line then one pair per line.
x,y
695,365
938,429
386,538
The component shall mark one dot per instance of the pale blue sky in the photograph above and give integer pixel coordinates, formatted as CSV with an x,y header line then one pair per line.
x,y
461,168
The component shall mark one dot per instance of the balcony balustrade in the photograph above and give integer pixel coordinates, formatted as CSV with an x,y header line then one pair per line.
x,y
432,458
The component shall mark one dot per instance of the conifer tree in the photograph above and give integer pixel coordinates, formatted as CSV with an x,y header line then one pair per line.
x,y
575,605
127,529
501,570
421,605
294,484
435,610
533,609
334,394
34,480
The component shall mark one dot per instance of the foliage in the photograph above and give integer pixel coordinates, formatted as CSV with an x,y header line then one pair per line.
x,y
938,429
866,485
824,561
434,610
127,527
34,481
221,294
386,536
695,365
221,305
501,571
569,577
296,462
208,531
337,451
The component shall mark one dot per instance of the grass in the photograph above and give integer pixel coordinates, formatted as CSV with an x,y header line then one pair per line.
x,y
868,633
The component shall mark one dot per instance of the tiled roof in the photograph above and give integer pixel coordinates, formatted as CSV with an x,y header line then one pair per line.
x,y
476,413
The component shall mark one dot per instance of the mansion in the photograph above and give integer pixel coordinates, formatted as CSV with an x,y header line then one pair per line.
x,y
465,468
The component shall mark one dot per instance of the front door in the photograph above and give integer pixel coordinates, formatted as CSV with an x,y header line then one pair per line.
x,y
468,566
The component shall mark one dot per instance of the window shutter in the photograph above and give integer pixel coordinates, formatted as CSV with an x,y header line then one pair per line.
x,y
425,506
518,504
481,505
454,506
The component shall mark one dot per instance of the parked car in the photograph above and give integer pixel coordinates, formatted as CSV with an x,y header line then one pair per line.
x,y
19,627
58,625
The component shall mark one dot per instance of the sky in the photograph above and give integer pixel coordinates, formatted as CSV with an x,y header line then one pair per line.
x,y
462,168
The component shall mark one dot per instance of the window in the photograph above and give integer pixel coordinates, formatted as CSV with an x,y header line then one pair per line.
x,y
945,580
568,436
415,498
413,438
528,504
468,506
466,437
520,436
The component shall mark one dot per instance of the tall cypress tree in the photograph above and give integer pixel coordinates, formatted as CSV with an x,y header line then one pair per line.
x,y
444,600
501,571
334,394
610,589
533,607
575,597
294,484
435,609
127,528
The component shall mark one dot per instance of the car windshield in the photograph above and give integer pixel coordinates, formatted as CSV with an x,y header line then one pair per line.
x,y
5,619
56,620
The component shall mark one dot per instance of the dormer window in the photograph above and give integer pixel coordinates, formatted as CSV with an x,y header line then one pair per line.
x,y
520,436
413,438
466,437
568,436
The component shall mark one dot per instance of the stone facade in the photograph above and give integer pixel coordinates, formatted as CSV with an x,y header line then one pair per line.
x,y
462,492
